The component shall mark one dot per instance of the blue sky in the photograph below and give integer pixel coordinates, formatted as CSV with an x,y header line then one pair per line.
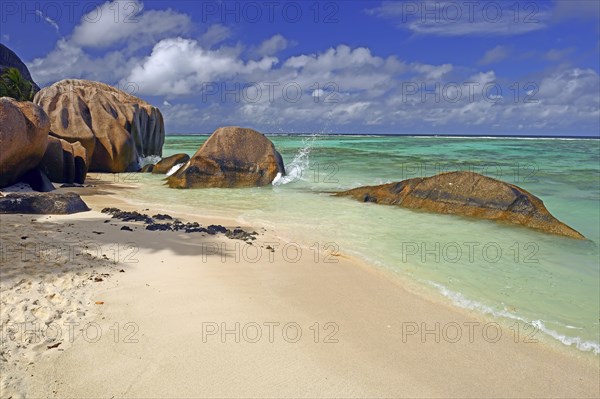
x,y
422,67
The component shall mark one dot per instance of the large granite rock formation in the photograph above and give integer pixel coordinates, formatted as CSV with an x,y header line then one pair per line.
x,y
23,138
165,164
114,127
42,203
64,162
466,194
8,59
231,157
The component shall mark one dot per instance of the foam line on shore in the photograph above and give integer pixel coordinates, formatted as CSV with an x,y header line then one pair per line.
x,y
460,300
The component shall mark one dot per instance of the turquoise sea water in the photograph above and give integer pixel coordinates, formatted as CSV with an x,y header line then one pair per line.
x,y
507,272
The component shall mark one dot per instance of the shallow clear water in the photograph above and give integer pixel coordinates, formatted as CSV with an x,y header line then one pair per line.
x,y
506,271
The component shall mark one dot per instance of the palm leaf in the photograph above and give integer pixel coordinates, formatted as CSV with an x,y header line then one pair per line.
x,y
13,84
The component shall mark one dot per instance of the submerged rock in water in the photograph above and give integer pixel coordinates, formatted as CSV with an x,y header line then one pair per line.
x,y
467,194
42,203
231,157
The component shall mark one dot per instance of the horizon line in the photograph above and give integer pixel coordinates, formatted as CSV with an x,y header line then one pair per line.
x,y
410,135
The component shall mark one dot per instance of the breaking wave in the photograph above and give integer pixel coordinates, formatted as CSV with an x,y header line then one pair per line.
x,y
300,163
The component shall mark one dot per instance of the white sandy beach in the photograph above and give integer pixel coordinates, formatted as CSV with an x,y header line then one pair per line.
x,y
184,319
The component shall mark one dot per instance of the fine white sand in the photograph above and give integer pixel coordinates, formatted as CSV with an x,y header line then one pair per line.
x,y
50,270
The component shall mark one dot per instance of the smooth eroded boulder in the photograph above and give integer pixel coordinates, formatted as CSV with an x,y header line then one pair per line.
x,y
23,138
42,203
165,164
114,127
64,162
466,194
231,157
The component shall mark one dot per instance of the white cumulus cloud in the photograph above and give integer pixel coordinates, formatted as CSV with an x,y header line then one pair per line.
x,y
126,20
180,66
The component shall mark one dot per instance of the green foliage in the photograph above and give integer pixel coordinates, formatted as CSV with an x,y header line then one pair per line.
x,y
12,84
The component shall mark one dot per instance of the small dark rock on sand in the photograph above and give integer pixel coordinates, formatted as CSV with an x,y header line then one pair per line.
x,y
173,224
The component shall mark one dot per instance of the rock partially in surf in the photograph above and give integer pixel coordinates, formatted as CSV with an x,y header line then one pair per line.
x,y
231,157
466,194
165,164
23,138
115,128
42,203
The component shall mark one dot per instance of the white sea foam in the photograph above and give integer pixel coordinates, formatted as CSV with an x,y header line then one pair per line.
x,y
578,342
460,300
276,179
175,168
299,164
149,160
